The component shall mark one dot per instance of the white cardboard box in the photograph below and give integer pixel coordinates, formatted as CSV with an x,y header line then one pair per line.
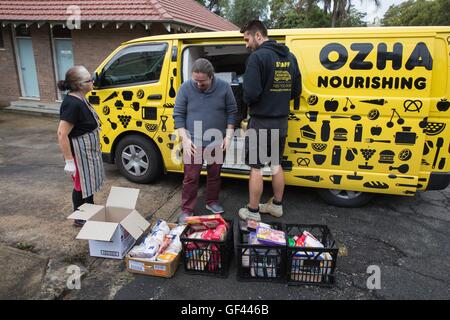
x,y
112,230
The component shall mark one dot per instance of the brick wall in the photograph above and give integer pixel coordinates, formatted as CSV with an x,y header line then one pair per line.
x,y
9,79
90,48
43,56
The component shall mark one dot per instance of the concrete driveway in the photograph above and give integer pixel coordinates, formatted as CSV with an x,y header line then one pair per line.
x,y
406,237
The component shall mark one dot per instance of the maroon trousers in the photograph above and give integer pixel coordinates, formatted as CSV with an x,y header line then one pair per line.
x,y
191,179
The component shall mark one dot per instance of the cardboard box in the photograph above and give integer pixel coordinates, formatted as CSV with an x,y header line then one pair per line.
x,y
112,230
153,268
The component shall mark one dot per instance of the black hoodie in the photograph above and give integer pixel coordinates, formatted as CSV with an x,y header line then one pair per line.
x,y
272,78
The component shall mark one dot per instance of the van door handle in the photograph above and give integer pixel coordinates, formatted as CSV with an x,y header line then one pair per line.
x,y
154,97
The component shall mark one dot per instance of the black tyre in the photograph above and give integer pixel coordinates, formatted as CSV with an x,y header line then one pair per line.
x,y
138,159
345,198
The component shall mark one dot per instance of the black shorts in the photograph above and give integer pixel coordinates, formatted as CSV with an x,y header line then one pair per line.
x,y
264,142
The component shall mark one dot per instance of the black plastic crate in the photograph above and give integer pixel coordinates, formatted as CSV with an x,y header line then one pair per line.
x,y
260,262
313,266
207,257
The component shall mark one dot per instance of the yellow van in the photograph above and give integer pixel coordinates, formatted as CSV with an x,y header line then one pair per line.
x,y
373,116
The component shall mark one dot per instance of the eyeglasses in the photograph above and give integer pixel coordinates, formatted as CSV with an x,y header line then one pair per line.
x,y
87,81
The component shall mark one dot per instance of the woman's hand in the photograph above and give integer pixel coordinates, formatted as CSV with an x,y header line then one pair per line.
x,y
70,168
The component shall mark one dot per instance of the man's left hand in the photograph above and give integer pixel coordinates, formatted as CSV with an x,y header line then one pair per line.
x,y
226,143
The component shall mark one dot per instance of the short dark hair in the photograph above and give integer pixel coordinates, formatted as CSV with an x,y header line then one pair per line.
x,y
254,26
203,66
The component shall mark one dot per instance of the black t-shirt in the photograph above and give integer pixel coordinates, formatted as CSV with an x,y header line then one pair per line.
x,y
76,112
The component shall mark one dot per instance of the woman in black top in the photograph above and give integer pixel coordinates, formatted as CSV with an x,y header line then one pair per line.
x,y
79,138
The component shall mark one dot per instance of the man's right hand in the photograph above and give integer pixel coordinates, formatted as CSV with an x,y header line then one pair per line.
x,y
70,168
189,148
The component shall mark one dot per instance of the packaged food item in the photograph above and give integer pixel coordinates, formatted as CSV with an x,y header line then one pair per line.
x,y
209,221
178,230
219,233
215,260
197,259
167,257
167,241
269,236
175,246
146,250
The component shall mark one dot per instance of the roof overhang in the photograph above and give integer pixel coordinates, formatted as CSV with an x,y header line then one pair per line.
x,y
169,25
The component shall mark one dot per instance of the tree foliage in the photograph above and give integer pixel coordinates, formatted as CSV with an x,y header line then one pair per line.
x,y
418,13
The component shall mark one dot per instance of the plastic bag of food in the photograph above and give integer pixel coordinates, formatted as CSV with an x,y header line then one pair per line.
x,y
161,225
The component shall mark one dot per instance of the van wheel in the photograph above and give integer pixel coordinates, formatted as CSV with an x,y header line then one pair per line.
x,y
138,159
345,198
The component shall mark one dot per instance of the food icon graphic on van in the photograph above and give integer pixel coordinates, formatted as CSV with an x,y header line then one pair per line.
x,y
423,123
351,153
352,106
434,128
111,96
106,110
127,95
387,156
404,168
373,114
118,104
443,105
135,106
331,105
367,154
379,102
308,133
406,136
428,145
400,120
376,131
93,99
376,185
340,134
140,94
312,100
412,105
405,155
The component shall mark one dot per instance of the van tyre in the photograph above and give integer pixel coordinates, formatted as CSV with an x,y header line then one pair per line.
x,y
138,159
345,198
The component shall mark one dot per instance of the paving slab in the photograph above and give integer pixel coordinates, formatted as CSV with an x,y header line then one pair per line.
x,y
21,273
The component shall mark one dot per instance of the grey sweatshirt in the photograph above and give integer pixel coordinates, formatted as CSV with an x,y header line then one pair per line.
x,y
215,108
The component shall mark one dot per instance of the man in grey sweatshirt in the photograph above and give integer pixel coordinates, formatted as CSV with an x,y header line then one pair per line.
x,y
204,115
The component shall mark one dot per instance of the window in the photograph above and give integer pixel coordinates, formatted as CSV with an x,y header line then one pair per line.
x,y
23,31
136,64
61,33
2,43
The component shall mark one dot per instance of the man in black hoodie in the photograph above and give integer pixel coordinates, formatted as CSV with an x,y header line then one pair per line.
x,y
272,78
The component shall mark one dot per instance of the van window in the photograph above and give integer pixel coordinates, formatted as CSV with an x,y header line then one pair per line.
x,y
136,64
